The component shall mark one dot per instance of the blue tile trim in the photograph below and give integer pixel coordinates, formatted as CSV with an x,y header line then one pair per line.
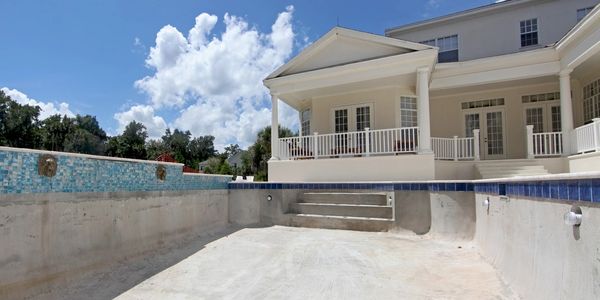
x,y
565,190
19,175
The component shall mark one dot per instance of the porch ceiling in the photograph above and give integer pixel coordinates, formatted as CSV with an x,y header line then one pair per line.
x,y
494,86
300,99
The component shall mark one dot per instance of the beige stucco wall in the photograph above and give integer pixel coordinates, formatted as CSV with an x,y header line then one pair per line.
x,y
375,168
384,101
584,162
448,117
498,32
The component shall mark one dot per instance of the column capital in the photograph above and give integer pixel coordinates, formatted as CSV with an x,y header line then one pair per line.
x,y
424,69
565,72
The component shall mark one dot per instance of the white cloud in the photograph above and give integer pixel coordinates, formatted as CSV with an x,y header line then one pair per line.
x,y
216,81
144,114
47,108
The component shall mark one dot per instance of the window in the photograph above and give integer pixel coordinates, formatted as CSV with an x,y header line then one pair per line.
x,y
482,103
582,12
591,100
341,120
540,97
363,118
448,48
408,112
305,122
529,32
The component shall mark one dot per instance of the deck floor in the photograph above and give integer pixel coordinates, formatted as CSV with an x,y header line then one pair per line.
x,y
301,263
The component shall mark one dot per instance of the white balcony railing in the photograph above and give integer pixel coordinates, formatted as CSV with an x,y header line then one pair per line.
x,y
543,144
456,148
587,137
358,143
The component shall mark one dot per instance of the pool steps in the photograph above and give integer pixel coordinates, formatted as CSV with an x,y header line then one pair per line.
x,y
350,211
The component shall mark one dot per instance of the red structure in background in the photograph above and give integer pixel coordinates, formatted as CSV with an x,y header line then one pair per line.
x,y
166,157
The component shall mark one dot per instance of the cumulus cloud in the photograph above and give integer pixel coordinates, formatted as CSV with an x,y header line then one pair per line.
x,y
144,114
215,81
47,108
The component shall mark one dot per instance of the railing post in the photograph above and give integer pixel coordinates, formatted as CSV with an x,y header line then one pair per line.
x,y
596,137
476,144
455,146
367,142
529,132
315,145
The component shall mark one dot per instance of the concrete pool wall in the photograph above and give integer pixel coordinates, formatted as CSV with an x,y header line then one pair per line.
x,y
97,210
522,233
94,211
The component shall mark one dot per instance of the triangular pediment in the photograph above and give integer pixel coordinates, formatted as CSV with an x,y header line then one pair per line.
x,y
342,46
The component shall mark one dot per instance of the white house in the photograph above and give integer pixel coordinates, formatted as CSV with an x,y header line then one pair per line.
x,y
511,88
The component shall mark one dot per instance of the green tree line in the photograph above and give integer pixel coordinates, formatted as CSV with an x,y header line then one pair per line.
x,y
20,127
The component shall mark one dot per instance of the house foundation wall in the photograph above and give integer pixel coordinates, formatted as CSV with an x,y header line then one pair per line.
x,y
377,168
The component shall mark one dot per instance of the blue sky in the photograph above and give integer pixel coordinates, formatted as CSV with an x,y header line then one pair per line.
x,y
90,54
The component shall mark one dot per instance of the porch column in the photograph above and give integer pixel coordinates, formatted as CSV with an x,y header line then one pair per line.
x,y
274,128
423,110
566,110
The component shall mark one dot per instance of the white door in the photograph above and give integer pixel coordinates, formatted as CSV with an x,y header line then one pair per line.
x,y
354,118
544,116
491,135
341,125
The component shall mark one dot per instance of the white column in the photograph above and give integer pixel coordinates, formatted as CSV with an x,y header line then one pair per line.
x,y
423,108
529,139
274,128
566,110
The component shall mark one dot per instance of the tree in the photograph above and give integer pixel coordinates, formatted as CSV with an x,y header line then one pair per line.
x,y
130,144
154,148
55,130
232,149
19,126
200,149
87,137
256,160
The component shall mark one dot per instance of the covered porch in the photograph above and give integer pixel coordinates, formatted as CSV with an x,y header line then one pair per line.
x,y
389,112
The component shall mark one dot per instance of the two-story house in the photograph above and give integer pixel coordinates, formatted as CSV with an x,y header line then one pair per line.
x,y
511,88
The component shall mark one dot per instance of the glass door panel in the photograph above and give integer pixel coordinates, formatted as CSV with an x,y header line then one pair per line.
x,y
494,135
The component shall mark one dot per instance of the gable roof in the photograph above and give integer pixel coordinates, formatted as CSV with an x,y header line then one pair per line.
x,y
342,46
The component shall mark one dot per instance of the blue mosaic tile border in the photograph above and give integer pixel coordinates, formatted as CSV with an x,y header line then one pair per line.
x,y
19,175
413,186
566,190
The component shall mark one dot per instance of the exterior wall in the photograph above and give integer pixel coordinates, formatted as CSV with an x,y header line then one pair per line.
x,y
588,162
385,103
375,168
495,33
93,212
448,117
455,170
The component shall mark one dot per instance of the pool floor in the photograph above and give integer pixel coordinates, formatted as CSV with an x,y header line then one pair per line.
x,y
301,263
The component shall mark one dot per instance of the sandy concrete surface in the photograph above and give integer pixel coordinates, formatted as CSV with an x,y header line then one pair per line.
x,y
300,263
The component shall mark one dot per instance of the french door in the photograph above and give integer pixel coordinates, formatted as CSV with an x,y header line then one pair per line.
x,y
348,119
545,117
492,136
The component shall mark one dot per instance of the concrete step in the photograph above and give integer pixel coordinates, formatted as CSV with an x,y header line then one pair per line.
x,y
345,198
505,169
349,210
341,222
